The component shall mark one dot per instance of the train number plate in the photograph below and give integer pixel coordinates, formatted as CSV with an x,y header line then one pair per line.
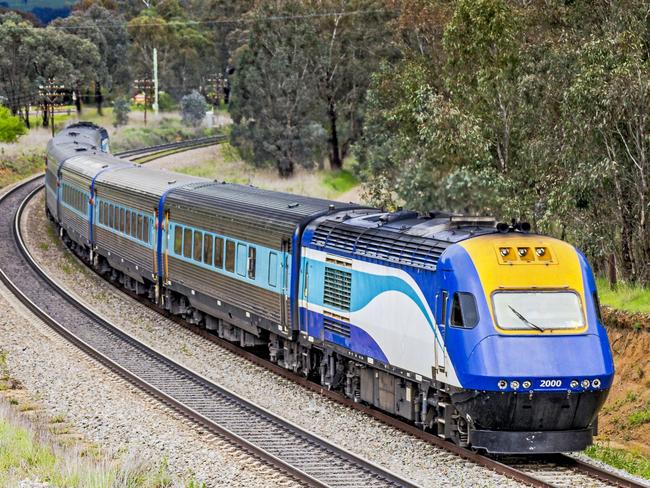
x,y
550,383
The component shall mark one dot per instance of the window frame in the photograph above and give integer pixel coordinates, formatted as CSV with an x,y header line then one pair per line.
x,y
464,324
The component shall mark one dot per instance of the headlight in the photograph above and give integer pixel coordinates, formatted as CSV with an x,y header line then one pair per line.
x,y
596,383
526,384
574,384
585,383
514,384
502,384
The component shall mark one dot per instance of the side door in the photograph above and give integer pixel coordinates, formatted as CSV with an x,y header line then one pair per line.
x,y
442,304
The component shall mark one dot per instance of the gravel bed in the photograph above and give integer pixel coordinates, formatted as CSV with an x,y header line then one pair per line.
x,y
109,411
348,428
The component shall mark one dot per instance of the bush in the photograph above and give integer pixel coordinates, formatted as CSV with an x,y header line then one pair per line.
x,y
11,127
121,109
166,102
193,108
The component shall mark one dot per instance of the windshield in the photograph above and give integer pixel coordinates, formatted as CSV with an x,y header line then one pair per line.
x,y
537,310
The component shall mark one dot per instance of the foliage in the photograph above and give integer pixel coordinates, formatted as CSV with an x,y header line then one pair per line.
x,y
14,168
121,109
193,108
166,102
536,112
340,181
631,461
299,86
11,127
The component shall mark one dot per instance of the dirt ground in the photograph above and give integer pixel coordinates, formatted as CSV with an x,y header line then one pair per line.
x,y
630,393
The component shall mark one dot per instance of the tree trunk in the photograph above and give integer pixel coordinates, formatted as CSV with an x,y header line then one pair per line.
x,y
611,273
77,101
627,260
99,98
335,152
27,124
46,116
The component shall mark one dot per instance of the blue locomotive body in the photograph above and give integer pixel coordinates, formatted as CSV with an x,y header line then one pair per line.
x,y
489,337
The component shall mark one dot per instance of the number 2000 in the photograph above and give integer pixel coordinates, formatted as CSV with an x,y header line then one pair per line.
x,y
550,383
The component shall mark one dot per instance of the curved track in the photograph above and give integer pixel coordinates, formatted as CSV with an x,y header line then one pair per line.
x,y
241,421
298,453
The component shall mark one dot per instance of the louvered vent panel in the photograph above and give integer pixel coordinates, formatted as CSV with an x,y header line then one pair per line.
x,y
381,244
338,285
340,328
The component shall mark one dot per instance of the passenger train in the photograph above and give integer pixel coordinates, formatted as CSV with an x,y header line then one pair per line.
x,y
483,333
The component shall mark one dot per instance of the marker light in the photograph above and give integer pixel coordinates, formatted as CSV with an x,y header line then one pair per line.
x,y
540,251
504,251
514,384
574,384
502,384
596,383
526,384
585,383
522,251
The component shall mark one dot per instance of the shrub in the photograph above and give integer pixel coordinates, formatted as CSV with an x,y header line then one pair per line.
x,y
121,109
193,108
165,102
11,127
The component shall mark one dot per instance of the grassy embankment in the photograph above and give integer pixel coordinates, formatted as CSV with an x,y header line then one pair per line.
x,y
225,163
47,450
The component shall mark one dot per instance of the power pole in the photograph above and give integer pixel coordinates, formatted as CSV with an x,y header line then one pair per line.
x,y
145,86
155,80
50,92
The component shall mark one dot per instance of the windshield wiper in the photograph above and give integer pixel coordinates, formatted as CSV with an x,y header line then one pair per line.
x,y
525,320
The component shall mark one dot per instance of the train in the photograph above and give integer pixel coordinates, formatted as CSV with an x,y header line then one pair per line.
x,y
483,333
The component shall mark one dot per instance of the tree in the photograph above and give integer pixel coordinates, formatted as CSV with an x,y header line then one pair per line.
x,y
106,29
11,127
121,109
273,106
193,108
299,85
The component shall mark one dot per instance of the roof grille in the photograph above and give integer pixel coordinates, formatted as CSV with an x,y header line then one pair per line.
x,y
419,252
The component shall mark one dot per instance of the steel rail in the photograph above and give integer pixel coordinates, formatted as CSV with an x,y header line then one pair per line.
x,y
189,143
313,460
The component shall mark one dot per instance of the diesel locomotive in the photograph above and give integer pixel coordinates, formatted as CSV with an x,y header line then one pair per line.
x,y
484,333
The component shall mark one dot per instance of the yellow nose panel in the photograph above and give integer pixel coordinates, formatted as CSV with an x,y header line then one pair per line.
x,y
525,262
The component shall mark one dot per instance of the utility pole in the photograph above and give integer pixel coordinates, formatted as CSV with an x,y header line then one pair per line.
x,y
145,86
155,80
50,91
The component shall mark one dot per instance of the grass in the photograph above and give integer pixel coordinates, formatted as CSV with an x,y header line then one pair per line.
x,y
15,167
340,181
641,416
625,297
168,130
31,451
631,461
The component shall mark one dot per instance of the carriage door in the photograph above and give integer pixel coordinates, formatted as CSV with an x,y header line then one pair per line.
x,y
285,306
442,297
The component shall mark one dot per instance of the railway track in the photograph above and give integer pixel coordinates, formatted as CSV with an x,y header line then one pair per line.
x,y
146,154
543,471
300,454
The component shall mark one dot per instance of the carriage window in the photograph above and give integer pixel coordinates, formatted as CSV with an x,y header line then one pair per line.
x,y
241,259
187,243
273,269
207,249
145,229
122,219
218,252
252,253
197,245
178,240
111,215
463,311
139,227
100,206
127,224
230,256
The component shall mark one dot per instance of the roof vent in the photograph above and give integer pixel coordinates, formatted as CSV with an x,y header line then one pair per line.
x,y
171,182
80,149
293,205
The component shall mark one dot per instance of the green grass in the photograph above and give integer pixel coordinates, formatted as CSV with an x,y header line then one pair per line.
x,y
340,181
631,461
16,167
169,130
625,297
641,416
